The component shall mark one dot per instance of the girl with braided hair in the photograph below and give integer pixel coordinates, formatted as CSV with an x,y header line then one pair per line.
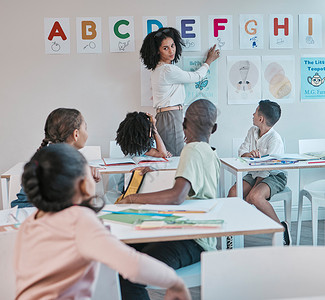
x,y
63,125
57,247
160,51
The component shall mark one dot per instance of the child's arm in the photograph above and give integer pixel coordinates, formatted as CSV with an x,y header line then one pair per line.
x,y
176,195
160,150
94,242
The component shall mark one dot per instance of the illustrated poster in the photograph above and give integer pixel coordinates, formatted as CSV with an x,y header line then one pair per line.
x,y
251,32
89,35
207,88
312,71
243,79
278,78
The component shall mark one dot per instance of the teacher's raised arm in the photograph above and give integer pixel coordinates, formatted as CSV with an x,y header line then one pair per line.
x,y
160,51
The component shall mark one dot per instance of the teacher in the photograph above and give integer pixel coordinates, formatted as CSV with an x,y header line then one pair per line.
x,y
159,51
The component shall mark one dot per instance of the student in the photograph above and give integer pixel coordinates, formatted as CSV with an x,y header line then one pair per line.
x,y
137,135
159,51
63,125
197,177
262,139
58,245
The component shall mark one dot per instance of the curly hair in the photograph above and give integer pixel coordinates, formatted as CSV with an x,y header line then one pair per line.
x,y
134,134
60,124
149,51
49,178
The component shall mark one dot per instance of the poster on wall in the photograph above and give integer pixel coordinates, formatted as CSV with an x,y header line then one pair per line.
x,y
152,23
220,32
281,31
312,71
251,32
278,78
189,28
207,88
146,89
121,32
310,31
89,35
57,35
243,79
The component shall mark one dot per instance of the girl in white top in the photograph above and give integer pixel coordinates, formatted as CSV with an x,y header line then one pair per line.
x,y
57,247
159,51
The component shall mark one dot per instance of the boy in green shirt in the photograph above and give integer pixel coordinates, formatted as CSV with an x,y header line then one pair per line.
x,y
196,177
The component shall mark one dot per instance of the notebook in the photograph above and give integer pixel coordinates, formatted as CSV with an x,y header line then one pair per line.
x,y
133,161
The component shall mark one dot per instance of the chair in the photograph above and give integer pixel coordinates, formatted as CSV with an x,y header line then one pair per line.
x,y
263,273
313,191
7,275
161,180
285,195
94,153
91,152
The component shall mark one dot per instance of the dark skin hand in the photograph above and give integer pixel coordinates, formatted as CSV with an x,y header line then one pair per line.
x,y
193,133
176,195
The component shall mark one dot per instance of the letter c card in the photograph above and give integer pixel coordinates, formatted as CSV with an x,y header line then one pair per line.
x,y
57,35
121,31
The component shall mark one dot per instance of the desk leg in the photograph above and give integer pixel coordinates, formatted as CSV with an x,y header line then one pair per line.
x,y
5,192
239,185
277,239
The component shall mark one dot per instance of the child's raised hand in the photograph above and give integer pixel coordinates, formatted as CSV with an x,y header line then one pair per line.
x,y
152,119
95,172
213,54
178,291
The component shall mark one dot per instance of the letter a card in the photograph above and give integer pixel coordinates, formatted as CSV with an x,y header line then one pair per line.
x,y
57,35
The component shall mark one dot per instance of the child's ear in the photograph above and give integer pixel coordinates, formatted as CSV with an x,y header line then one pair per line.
x,y
214,128
75,135
84,188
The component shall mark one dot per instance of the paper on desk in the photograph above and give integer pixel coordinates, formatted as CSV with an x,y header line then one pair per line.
x,y
188,205
8,216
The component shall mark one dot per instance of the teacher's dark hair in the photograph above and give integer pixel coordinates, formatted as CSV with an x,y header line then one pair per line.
x,y
134,134
60,124
49,178
149,51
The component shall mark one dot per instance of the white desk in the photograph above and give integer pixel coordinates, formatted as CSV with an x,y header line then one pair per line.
x,y
240,218
238,167
121,169
16,171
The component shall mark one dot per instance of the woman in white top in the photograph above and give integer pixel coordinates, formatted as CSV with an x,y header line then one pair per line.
x,y
159,51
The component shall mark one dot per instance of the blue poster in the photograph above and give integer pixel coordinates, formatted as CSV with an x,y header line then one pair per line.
x,y
207,88
312,78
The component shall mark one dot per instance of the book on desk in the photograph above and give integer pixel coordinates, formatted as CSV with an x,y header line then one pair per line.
x,y
132,160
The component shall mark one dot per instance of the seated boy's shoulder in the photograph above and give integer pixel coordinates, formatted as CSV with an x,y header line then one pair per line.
x,y
199,149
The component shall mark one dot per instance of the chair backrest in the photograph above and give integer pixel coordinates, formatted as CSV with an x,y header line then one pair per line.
x,y
91,152
7,275
236,142
311,145
310,175
115,150
263,273
14,187
157,181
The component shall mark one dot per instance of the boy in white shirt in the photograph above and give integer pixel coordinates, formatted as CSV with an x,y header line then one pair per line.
x,y
262,139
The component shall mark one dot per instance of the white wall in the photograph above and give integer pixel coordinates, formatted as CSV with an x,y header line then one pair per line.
x,y
105,86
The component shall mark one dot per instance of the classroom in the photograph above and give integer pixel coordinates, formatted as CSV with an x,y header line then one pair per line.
x,y
107,82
